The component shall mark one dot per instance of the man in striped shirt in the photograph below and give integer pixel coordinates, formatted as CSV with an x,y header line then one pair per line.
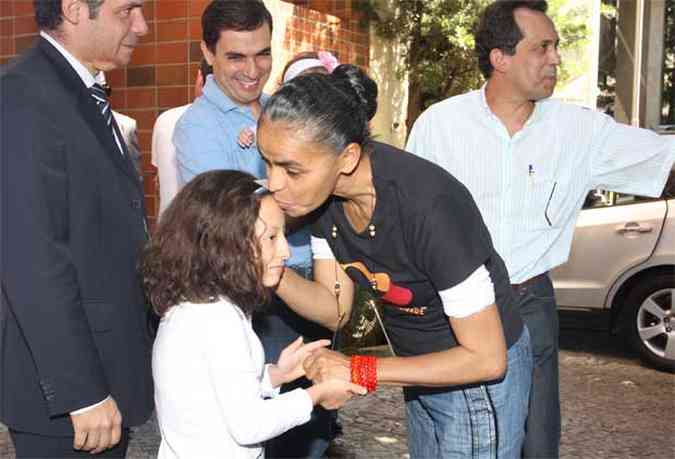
x,y
529,162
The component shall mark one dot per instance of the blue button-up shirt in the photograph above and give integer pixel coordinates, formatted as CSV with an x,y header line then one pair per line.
x,y
530,187
206,139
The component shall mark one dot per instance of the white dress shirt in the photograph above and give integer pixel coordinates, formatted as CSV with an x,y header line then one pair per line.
x,y
211,386
87,78
530,187
164,155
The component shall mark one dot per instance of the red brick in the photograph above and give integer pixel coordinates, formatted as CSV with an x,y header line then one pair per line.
x,y
116,78
151,200
145,119
145,139
25,25
24,42
171,9
168,75
192,75
144,55
141,76
6,27
149,10
197,7
149,188
172,31
118,99
146,162
23,8
174,96
140,98
172,53
6,46
195,29
6,8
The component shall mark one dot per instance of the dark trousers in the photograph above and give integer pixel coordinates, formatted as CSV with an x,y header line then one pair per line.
x,y
540,313
34,446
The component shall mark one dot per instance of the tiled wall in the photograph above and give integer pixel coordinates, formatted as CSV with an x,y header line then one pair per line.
x,y
163,67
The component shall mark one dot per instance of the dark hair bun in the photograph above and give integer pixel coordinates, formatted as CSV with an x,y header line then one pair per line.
x,y
353,80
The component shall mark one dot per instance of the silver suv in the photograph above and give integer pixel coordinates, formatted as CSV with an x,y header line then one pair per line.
x,y
623,260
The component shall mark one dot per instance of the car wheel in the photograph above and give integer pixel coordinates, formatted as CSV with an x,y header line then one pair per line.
x,y
652,320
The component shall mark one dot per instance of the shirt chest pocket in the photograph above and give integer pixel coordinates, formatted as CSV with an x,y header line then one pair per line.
x,y
545,204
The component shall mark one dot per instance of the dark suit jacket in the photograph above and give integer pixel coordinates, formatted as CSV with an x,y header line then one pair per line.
x,y
73,319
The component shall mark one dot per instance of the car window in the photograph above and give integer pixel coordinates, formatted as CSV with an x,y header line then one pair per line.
x,y
597,198
601,198
669,190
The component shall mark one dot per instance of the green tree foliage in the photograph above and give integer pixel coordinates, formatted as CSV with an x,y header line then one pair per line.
x,y
607,62
437,38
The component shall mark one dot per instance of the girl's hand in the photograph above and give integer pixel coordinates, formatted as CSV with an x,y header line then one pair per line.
x,y
325,364
333,394
290,364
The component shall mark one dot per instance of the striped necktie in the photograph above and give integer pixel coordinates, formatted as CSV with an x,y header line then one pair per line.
x,y
99,95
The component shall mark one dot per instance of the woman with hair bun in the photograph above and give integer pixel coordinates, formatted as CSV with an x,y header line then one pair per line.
x,y
398,224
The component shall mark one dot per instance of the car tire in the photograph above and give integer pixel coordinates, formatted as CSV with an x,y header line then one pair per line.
x,y
651,320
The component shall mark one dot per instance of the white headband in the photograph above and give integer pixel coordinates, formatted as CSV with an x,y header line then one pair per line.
x,y
299,66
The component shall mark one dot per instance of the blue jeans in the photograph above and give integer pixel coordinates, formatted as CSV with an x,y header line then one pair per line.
x,y
478,421
277,327
540,313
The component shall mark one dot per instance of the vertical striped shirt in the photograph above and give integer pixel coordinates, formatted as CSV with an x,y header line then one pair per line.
x,y
531,187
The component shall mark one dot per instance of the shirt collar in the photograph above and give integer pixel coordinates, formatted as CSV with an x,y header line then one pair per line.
x,y
216,96
536,115
87,78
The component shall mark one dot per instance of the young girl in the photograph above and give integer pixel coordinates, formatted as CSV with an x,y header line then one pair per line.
x,y
218,249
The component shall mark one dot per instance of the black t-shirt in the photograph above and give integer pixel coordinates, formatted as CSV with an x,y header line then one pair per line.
x,y
429,236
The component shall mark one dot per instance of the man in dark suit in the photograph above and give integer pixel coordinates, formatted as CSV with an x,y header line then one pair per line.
x,y
75,353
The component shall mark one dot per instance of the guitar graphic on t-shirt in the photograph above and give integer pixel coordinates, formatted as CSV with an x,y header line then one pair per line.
x,y
388,290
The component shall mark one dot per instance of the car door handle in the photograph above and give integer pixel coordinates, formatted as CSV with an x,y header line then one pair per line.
x,y
634,227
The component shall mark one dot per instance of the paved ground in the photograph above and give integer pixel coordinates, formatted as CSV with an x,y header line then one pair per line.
x,y
612,408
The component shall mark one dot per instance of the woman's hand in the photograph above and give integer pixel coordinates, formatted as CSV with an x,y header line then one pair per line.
x,y
333,394
289,367
325,364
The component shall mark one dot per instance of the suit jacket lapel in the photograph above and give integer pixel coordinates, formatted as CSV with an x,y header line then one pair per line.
x,y
89,110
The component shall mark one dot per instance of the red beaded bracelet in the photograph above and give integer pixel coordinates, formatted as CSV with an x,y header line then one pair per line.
x,y
363,370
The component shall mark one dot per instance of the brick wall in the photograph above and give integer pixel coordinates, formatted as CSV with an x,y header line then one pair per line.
x,y
328,25
162,70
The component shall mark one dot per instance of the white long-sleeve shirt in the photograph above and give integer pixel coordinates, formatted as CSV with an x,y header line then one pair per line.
x,y
211,386
164,155
530,187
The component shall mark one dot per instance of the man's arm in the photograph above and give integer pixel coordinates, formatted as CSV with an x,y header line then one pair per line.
x,y
627,159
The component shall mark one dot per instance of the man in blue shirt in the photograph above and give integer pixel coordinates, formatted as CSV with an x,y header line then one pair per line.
x,y
237,44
